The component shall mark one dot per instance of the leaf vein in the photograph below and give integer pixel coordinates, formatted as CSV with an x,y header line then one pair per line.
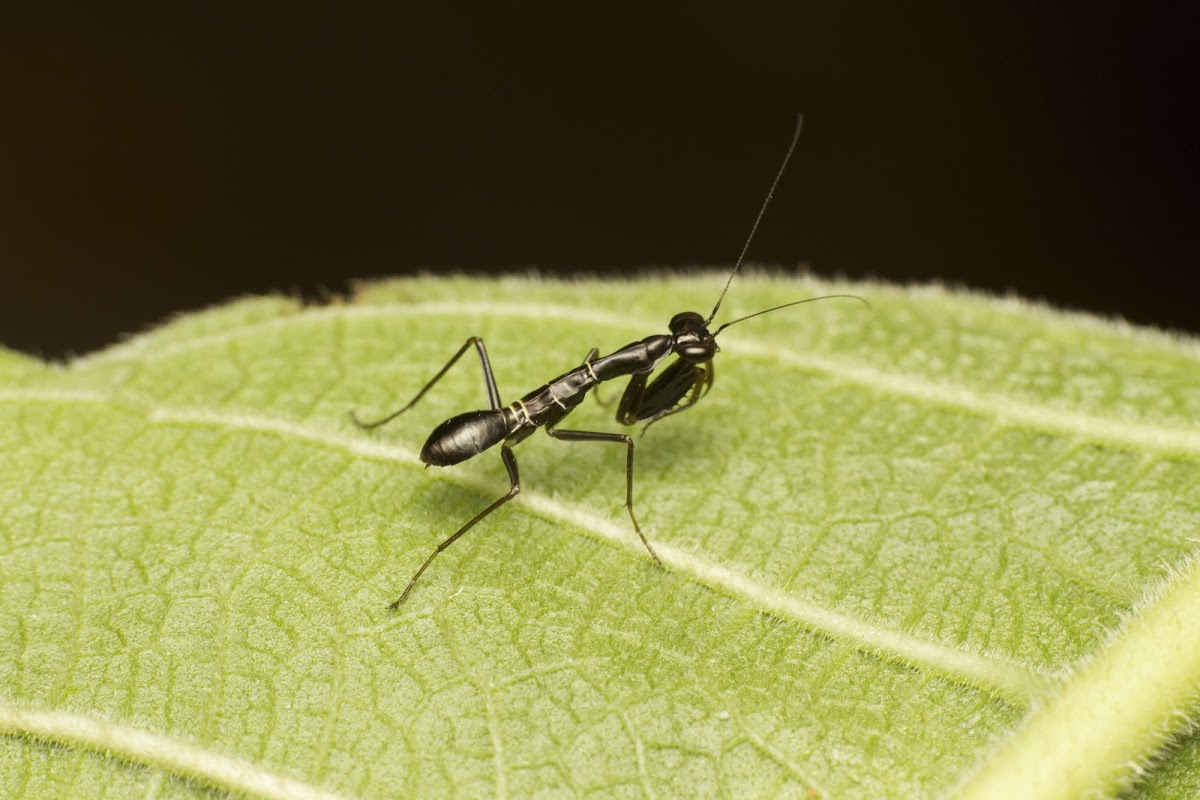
x,y
1011,679
1110,716
154,750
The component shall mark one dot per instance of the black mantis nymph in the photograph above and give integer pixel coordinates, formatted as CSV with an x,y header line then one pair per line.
x,y
677,388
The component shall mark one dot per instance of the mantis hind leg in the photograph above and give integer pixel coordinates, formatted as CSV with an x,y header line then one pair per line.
x,y
510,464
489,381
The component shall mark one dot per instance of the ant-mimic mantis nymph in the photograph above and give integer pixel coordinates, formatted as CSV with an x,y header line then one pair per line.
x,y
689,376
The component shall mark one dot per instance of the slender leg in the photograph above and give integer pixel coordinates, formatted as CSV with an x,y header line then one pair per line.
x,y
510,464
489,381
597,436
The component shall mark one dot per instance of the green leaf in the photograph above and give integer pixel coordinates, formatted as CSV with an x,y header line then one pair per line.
x,y
919,550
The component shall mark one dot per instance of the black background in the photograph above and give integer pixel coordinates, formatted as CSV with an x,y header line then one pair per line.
x,y
165,158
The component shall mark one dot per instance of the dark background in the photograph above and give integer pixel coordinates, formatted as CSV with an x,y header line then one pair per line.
x,y
166,158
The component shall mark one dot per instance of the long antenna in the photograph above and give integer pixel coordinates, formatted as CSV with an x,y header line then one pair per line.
x,y
786,305
770,192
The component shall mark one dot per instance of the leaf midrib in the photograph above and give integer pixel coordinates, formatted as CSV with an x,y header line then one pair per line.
x,y
1009,679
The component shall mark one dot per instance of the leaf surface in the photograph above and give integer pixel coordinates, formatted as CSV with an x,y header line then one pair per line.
x,y
914,551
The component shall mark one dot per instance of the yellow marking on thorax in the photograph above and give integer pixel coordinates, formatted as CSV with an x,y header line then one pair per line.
x,y
517,404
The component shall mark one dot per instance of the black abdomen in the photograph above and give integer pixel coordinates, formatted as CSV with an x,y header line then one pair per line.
x,y
464,436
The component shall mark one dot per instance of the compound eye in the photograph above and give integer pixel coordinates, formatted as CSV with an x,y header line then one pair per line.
x,y
696,353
